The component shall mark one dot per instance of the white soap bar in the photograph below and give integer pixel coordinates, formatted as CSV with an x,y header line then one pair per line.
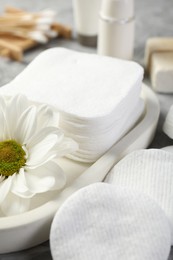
x,y
101,222
80,84
162,72
148,171
157,44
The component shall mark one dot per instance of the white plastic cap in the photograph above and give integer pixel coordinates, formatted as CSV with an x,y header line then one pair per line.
x,y
118,9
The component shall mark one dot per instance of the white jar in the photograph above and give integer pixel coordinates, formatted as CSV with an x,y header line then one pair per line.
x,y
116,29
86,16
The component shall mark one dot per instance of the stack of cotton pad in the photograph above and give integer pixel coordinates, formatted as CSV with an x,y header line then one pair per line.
x,y
98,97
150,172
101,222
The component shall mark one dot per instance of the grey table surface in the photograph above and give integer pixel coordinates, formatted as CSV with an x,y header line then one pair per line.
x,y
153,18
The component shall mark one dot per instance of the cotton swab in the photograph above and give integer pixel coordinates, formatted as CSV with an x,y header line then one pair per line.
x,y
26,29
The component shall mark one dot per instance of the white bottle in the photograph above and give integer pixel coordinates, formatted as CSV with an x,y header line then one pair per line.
x,y
86,16
116,29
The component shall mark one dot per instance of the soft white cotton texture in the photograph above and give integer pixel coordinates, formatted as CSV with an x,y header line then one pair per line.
x,y
98,97
105,222
84,85
168,124
168,148
148,171
94,144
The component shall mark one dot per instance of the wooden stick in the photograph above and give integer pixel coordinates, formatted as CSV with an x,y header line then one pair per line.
x,y
15,52
4,52
36,35
17,22
15,28
63,30
12,30
11,9
23,43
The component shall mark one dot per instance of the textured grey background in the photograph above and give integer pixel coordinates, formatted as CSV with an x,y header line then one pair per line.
x,y
153,18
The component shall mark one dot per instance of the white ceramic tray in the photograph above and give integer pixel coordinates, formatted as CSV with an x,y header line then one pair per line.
x,y
32,228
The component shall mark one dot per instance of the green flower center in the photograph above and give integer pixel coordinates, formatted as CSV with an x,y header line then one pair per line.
x,y
12,157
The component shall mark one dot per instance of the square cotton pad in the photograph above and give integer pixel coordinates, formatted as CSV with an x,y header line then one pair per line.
x,y
101,222
95,95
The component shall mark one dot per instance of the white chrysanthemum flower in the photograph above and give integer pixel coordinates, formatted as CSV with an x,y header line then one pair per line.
x,y
29,143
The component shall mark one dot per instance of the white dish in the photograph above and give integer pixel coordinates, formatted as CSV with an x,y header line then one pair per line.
x,y
32,228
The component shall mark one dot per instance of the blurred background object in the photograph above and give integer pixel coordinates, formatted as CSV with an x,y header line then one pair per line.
x,y
21,30
159,63
86,15
116,29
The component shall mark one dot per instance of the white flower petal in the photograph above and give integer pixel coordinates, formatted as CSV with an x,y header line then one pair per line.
x,y
47,117
34,128
39,152
26,125
44,178
41,134
13,205
67,146
2,178
2,103
2,125
4,133
15,107
19,186
11,118
5,187
22,104
47,158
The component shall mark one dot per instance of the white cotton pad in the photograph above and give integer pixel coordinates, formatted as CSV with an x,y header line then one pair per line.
x,y
168,124
81,84
103,222
91,146
148,171
168,148
98,97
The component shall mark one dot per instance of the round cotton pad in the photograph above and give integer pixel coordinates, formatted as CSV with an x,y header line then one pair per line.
x,y
168,124
148,171
102,222
168,148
